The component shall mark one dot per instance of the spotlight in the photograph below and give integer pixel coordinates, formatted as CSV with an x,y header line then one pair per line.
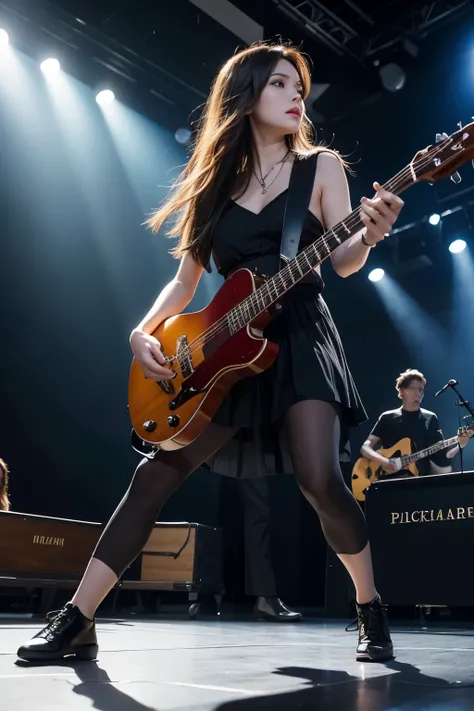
x,y
183,136
392,76
434,219
50,67
105,97
457,246
4,40
376,274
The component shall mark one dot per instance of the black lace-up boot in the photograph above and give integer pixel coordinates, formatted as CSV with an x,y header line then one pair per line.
x,y
68,632
375,644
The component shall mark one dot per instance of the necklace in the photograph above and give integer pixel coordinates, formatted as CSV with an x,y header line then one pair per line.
x,y
263,178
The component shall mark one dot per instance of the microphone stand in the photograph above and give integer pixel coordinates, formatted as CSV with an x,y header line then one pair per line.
x,y
462,403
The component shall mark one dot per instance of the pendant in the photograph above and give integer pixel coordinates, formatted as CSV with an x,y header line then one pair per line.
x,y
264,188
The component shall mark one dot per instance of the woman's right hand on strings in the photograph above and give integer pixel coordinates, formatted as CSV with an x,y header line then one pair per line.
x,y
147,352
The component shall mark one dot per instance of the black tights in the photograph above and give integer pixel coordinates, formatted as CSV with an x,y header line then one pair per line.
x,y
313,432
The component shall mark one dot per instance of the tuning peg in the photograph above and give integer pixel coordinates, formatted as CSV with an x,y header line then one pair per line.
x,y
456,178
441,137
459,124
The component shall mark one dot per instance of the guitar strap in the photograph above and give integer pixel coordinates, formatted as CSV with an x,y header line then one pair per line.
x,y
297,204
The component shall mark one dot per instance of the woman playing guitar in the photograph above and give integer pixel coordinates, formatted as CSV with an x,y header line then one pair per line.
x,y
230,202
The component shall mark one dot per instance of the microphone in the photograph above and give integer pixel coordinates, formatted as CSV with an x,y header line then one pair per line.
x,y
449,384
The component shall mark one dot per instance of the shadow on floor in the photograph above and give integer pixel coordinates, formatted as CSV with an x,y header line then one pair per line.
x,y
330,690
326,690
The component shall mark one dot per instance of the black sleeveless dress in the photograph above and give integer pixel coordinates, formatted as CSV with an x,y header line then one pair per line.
x,y
311,364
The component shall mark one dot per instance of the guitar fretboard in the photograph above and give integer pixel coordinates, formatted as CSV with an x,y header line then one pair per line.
x,y
407,459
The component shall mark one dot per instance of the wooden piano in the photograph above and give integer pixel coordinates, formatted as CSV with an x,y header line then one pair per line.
x,y
51,553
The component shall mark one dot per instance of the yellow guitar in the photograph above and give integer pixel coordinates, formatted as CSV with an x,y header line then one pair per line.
x,y
366,471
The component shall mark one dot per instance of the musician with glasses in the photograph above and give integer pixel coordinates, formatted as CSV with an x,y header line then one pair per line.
x,y
413,422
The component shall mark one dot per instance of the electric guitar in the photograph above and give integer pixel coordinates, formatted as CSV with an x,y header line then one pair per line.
x,y
367,471
210,350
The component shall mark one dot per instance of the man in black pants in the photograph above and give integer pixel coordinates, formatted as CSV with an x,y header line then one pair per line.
x,y
259,574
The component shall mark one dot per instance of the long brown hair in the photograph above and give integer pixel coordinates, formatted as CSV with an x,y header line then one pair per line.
x,y
4,500
222,159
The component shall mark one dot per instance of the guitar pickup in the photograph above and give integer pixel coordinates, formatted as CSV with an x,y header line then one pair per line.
x,y
166,385
183,355
185,362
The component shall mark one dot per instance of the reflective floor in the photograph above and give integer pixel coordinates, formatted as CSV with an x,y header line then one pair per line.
x,y
242,666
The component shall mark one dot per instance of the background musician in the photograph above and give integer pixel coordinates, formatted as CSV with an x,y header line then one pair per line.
x,y
410,421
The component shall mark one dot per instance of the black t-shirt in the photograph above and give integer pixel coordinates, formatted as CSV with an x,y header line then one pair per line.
x,y
422,427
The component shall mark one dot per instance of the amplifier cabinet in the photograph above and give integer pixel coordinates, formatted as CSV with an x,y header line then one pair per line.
x,y
422,539
188,555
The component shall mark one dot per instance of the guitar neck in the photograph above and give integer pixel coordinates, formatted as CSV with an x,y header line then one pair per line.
x,y
312,256
407,459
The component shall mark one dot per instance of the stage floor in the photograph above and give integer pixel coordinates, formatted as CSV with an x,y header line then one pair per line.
x,y
242,666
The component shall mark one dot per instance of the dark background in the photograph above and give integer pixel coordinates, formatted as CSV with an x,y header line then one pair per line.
x,y
78,269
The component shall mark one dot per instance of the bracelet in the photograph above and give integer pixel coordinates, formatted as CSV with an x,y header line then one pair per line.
x,y
365,241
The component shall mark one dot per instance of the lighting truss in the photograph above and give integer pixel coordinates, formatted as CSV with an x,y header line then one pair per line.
x,y
362,38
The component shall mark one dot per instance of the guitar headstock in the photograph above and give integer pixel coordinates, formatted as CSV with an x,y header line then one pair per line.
x,y
444,158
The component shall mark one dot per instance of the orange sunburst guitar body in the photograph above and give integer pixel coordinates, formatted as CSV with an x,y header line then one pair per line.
x,y
171,414
367,471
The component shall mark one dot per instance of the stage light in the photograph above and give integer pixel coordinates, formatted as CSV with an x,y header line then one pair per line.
x,y
457,246
183,136
420,333
376,274
105,97
4,39
434,219
392,76
50,67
